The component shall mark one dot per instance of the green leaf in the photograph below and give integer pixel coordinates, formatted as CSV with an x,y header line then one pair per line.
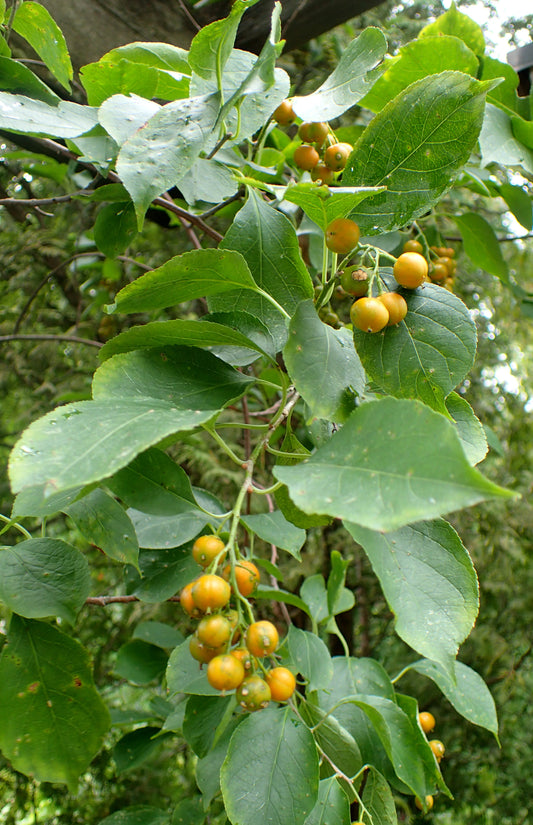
x,y
159,154
519,203
279,777
104,523
52,720
189,812
137,815
164,573
188,378
415,146
173,529
248,325
286,505
212,46
32,502
313,592
392,463
323,205
334,739
505,94
469,428
123,115
65,120
336,590
203,716
135,747
44,577
429,582
195,274
498,142
188,333
467,692
208,768
323,365
158,633
269,243
208,181
87,441
481,244
415,61
140,662
427,354
185,674
275,529
115,228
17,78
332,806
348,83
34,23
378,799
310,657
459,25
275,594
250,100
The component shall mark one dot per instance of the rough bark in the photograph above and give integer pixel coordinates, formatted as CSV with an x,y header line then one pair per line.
x,y
93,27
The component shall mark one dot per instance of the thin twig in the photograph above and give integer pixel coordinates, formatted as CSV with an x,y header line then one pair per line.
x,y
189,15
103,601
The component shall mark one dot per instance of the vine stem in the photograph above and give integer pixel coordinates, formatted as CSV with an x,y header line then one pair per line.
x,y
10,523
44,337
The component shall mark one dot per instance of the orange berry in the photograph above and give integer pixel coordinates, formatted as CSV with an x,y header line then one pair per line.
x,y
410,269
396,306
342,235
369,315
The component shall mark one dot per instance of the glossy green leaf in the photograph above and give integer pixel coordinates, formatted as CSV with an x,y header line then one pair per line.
x,y
268,242
135,747
519,202
123,115
17,78
498,142
348,83
32,501
378,799
185,675
189,812
34,23
44,577
195,274
469,428
415,61
505,94
275,529
415,146
142,72
164,573
172,529
130,69
336,590
153,483
158,154
310,657
203,715
481,244
90,440
278,595
137,815
66,120
429,582
332,806
459,25
170,333
115,228
468,693
393,462
185,377
208,768
323,365
323,205
319,599
428,353
104,523
140,662
52,720
212,46
282,775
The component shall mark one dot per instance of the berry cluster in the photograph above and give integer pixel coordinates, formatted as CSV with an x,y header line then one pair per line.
x,y
427,723
442,265
320,153
232,665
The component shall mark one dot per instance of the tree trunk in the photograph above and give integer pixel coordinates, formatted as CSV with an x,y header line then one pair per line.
x,y
93,27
